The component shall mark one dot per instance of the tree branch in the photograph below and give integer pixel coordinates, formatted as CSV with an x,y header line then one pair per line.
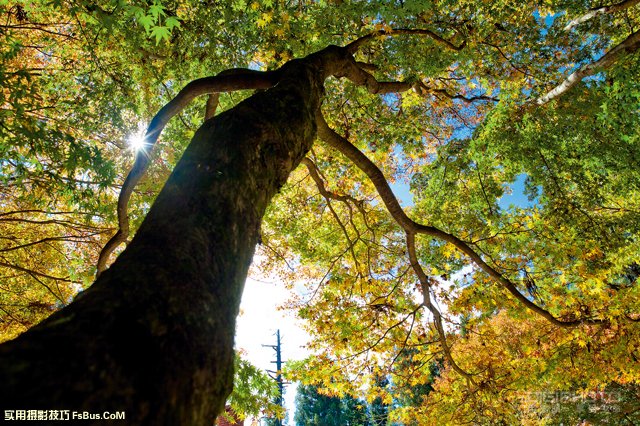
x,y
31,272
67,238
48,212
315,175
393,206
357,74
212,105
463,98
426,302
600,11
226,81
522,71
328,196
629,45
356,44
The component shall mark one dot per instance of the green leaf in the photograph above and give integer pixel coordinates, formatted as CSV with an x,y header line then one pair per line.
x,y
157,10
172,22
238,5
160,33
147,22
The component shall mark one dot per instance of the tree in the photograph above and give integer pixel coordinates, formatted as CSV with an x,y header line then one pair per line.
x,y
141,336
315,408
459,99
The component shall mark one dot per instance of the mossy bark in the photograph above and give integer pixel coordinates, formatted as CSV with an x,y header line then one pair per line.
x,y
154,334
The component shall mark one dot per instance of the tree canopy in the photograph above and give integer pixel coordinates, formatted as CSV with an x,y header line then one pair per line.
x,y
398,221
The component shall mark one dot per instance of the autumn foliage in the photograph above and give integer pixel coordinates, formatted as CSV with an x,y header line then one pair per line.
x,y
466,225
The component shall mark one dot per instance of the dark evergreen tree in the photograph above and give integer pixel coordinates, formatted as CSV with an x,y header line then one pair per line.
x,y
412,395
379,410
316,409
355,411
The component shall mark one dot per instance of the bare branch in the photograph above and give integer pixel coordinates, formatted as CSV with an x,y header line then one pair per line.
x,y
629,45
600,11
226,81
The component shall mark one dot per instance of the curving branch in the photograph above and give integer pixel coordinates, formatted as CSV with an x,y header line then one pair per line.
x,y
226,81
341,64
328,196
313,172
600,11
411,227
425,286
629,45
465,99
356,44
356,72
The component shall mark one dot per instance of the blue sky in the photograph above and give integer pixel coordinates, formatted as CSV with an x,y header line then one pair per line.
x,y
515,197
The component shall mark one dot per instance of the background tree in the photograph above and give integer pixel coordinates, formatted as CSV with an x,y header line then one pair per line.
x,y
412,387
459,101
315,408
379,408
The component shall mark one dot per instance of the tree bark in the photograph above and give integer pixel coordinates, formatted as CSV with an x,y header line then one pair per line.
x,y
153,336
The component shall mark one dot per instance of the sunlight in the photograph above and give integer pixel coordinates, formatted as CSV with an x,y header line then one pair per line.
x,y
137,141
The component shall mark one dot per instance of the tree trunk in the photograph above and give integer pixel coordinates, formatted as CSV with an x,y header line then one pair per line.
x,y
153,336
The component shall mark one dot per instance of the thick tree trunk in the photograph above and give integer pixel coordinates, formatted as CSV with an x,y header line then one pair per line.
x,y
153,336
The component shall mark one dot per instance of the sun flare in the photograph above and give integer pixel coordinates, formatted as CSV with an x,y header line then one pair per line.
x,y
137,142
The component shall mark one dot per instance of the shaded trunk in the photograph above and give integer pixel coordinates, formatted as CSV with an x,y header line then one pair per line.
x,y
153,336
